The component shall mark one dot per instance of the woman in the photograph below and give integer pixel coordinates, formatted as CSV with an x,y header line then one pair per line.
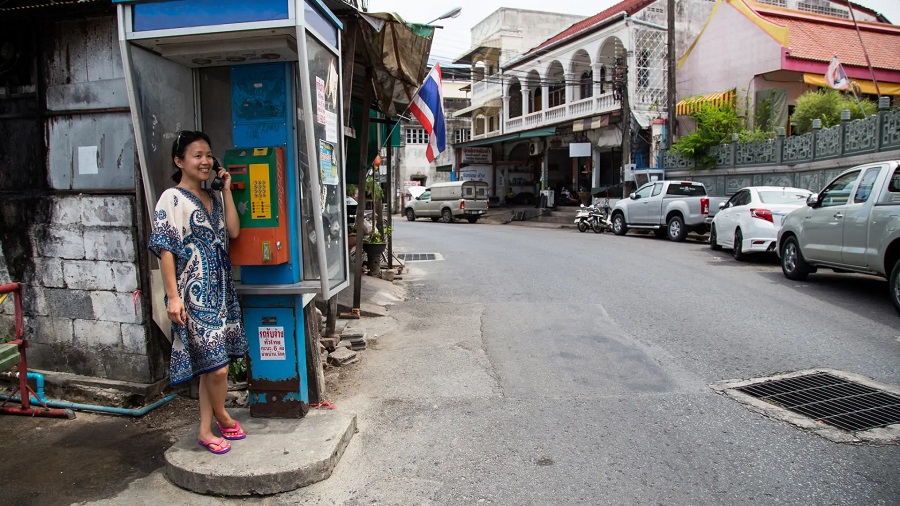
x,y
191,229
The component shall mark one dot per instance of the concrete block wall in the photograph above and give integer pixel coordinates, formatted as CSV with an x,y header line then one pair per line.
x,y
77,256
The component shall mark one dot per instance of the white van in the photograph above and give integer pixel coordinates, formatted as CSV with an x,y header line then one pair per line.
x,y
450,201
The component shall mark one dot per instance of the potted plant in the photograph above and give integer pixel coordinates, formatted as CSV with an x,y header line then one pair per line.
x,y
374,245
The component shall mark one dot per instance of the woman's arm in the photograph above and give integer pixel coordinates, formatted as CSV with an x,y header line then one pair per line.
x,y
175,307
232,221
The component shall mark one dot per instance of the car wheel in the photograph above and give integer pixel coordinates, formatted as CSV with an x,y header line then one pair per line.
x,y
434,218
447,215
410,215
714,239
619,227
676,229
738,249
895,285
473,219
792,263
582,226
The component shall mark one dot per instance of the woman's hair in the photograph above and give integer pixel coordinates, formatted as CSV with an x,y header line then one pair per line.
x,y
183,139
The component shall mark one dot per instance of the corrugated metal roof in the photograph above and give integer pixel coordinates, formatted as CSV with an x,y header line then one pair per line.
x,y
26,5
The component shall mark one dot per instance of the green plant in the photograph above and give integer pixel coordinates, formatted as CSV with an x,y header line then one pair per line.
x,y
826,104
715,125
379,236
374,189
237,370
351,190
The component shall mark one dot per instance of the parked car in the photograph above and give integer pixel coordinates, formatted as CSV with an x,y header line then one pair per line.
x,y
670,208
749,221
450,201
853,225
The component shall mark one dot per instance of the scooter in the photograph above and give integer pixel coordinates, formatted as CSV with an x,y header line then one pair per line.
x,y
582,218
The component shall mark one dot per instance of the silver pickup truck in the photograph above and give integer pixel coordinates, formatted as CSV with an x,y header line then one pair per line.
x,y
853,225
450,201
669,208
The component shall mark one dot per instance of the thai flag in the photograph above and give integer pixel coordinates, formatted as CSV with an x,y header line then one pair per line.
x,y
428,108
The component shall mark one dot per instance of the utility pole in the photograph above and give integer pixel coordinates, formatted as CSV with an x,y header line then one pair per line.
x,y
670,95
620,91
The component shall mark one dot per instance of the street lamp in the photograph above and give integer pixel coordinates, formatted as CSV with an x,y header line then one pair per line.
x,y
452,13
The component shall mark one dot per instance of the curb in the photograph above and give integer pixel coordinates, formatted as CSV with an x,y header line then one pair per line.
x,y
278,455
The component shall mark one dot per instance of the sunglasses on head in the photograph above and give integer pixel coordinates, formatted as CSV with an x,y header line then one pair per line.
x,y
180,138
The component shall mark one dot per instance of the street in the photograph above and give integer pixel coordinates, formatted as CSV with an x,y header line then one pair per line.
x,y
533,366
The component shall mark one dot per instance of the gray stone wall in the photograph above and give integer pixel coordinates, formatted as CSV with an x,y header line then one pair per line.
x,y
77,256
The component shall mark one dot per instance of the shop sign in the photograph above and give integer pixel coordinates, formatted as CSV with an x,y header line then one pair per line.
x,y
476,155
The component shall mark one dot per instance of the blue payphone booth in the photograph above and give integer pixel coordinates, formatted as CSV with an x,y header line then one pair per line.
x,y
262,79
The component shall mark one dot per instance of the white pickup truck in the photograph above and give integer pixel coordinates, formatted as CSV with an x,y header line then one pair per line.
x,y
853,225
449,201
669,208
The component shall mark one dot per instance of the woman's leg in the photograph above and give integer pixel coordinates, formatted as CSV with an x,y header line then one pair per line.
x,y
217,389
206,413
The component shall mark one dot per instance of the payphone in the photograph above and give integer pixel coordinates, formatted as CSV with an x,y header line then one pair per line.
x,y
262,79
257,186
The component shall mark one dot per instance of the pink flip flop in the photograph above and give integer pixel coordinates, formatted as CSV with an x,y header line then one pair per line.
x,y
232,434
223,446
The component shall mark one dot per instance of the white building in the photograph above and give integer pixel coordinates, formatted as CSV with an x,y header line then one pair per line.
x,y
554,115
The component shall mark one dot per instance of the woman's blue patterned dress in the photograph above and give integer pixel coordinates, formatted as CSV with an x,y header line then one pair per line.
x,y
199,241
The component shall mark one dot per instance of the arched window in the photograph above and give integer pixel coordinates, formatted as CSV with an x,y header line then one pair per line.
x,y
587,84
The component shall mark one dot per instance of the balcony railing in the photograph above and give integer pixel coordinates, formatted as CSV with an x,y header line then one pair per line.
x,y
877,133
579,109
487,88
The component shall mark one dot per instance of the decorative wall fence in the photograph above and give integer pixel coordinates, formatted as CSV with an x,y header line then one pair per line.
x,y
877,133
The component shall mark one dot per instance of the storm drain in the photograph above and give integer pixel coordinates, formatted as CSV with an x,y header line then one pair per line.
x,y
840,406
417,257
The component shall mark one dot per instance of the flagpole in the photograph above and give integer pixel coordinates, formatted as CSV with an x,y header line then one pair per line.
x,y
865,52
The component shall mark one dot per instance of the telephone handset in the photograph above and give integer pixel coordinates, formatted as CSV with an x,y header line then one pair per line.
x,y
217,182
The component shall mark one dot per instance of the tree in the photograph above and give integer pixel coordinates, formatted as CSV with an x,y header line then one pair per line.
x,y
826,104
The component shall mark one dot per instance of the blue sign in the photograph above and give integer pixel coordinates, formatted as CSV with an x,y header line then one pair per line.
x,y
168,14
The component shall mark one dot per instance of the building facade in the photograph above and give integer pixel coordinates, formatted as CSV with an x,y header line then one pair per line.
x,y
573,112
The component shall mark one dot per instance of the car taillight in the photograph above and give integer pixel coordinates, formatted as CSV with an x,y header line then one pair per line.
x,y
462,204
704,205
763,214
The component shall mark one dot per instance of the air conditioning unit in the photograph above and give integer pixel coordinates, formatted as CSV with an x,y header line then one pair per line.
x,y
535,147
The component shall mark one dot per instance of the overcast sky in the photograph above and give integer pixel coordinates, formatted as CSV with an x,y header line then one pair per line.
x,y
454,39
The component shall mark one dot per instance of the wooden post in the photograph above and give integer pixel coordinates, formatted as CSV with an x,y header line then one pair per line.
x,y
363,166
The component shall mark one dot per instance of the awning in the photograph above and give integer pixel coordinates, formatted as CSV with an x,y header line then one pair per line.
x,y
590,123
493,103
540,132
864,86
610,137
691,105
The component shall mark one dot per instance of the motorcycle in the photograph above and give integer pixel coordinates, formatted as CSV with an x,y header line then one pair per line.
x,y
594,217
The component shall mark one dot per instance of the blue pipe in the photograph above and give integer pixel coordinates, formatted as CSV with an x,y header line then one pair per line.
x,y
36,376
92,407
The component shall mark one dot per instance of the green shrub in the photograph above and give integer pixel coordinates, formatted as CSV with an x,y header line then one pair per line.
x,y
715,125
826,104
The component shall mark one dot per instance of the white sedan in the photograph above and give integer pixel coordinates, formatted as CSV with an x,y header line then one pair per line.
x,y
749,221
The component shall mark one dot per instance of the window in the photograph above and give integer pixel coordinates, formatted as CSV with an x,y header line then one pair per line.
x,y
416,136
643,68
895,181
425,195
838,192
463,135
644,192
587,84
657,189
782,197
557,95
741,198
686,190
866,184
603,79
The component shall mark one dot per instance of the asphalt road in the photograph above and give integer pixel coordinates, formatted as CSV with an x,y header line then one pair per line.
x,y
547,367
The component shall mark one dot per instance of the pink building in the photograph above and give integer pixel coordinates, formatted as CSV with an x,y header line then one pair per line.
x,y
753,51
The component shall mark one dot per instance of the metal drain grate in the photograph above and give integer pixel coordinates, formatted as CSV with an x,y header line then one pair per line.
x,y
417,257
833,400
